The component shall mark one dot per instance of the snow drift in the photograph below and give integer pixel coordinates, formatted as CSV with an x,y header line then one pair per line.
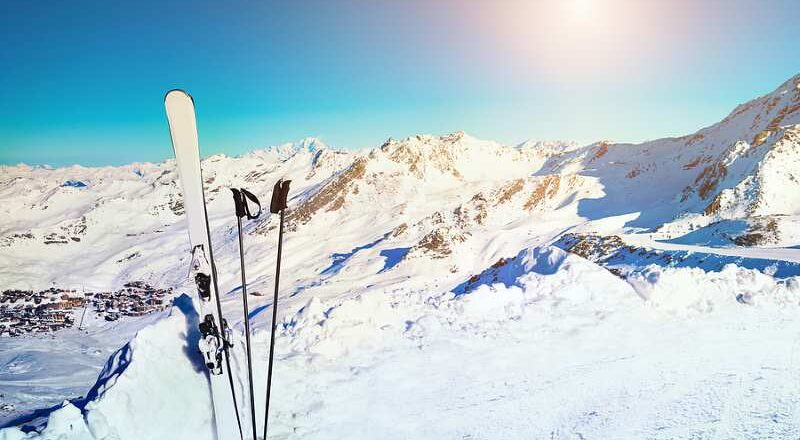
x,y
377,365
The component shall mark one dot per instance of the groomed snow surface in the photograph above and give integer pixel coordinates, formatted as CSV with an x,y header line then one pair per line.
x,y
575,352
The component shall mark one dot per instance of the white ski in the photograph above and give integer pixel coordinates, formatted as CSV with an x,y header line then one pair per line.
x,y
214,343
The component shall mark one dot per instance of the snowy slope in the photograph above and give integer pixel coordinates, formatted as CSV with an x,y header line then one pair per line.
x,y
443,255
571,351
746,165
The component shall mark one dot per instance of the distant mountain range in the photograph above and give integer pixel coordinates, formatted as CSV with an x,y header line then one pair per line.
x,y
444,198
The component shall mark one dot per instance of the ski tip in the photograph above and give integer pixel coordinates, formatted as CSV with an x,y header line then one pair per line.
x,y
178,94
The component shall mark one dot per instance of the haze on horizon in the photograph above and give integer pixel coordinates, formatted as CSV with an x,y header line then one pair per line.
x,y
83,82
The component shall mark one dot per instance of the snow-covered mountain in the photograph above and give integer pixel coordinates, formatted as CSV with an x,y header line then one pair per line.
x,y
429,193
428,238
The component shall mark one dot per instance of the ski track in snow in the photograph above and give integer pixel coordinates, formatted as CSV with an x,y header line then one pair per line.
x,y
782,254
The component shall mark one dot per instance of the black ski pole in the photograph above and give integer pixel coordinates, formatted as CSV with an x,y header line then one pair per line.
x,y
277,205
240,197
225,342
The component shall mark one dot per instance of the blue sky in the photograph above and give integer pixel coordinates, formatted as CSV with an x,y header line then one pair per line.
x,y
83,82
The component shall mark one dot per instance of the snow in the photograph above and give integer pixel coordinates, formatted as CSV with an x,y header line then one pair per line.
x,y
570,353
779,254
134,377
37,372
426,294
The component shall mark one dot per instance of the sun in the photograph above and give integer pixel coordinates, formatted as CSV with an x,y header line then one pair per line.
x,y
580,9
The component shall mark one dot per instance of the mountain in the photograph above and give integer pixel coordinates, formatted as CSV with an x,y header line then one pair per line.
x,y
426,250
744,167
426,192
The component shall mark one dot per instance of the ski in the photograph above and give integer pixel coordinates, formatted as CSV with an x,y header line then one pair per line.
x,y
214,342
277,205
240,199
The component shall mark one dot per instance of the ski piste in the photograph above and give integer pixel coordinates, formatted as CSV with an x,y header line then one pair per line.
x,y
214,342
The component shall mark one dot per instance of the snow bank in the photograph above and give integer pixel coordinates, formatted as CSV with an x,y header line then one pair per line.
x,y
541,283
153,385
564,353
354,365
542,260
687,291
547,279
333,329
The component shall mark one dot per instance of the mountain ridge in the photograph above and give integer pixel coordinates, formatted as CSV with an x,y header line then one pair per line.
x,y
431,193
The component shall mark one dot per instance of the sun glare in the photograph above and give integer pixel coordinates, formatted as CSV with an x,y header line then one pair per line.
x,y
566,38
580,9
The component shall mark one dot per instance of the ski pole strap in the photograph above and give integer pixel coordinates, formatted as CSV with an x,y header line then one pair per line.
x,y
240,197
279,194
253,199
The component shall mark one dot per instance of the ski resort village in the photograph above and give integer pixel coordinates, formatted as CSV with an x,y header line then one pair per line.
x,y
26,311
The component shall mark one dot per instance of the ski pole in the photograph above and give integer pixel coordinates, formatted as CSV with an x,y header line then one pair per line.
x,y
240,197
277,205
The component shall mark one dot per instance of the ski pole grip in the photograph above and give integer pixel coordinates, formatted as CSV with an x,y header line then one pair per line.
x,y
253,199
279,194
238,201
240,197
